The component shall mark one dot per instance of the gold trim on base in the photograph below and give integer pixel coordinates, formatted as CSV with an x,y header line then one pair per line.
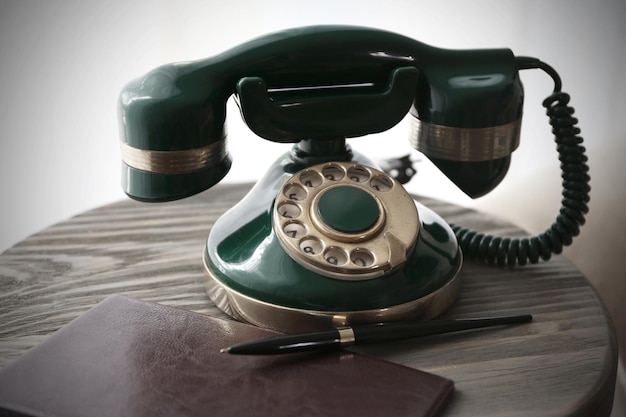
x,y
291,320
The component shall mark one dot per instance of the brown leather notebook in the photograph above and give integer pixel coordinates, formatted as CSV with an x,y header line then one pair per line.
x,y
126,357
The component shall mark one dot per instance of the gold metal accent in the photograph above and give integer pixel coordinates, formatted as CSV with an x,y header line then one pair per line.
x,y
396,250
174,162
339,320
359,256
291,320
346,336
464,144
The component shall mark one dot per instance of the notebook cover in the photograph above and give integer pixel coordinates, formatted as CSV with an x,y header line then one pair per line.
x,y
126,357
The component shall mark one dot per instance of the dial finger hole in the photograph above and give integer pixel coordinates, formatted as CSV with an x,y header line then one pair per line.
x,y
362,258
358,174
289,210
380,183
311,178
333,172
294,230
336,256
295,192
311,246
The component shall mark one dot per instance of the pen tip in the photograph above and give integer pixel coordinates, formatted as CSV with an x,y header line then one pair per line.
x,y
225,350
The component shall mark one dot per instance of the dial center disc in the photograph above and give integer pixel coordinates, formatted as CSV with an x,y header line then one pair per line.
x,y
348,209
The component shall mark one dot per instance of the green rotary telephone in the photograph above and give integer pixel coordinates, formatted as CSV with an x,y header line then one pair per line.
x,y
326,238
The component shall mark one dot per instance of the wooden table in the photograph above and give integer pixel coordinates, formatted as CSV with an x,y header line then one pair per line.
x,y
562,364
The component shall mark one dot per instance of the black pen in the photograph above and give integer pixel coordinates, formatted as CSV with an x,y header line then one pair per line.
x,y
370,333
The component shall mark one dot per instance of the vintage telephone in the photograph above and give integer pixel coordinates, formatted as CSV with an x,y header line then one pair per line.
x,y
325,238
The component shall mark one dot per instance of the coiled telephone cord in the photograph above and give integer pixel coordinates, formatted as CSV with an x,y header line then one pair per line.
x,y
520,251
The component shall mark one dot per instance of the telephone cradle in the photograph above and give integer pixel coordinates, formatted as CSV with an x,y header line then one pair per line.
x,y
326,237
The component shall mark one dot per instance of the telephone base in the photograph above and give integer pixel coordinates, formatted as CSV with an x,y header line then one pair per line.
x,y
253,275
290,320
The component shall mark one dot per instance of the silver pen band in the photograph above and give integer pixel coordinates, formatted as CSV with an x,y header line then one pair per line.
x,y
346,336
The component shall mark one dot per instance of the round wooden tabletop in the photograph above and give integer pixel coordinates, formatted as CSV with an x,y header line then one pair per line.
x,y
562,364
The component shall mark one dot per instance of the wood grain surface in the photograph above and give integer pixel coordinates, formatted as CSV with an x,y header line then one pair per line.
x,y
561,364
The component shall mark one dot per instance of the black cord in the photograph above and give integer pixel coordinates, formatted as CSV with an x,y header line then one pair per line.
x,y
526,62
520,251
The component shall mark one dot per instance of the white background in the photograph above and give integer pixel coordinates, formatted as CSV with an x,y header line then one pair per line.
x,y
63,64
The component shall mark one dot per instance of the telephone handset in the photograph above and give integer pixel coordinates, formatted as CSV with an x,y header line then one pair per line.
x,y
326,237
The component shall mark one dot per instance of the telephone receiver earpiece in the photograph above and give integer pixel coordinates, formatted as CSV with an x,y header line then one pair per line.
x,y
317,84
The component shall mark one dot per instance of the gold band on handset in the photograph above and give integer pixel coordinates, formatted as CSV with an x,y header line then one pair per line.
x,y
174,162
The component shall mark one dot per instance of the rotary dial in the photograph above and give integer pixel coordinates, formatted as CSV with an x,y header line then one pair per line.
x,y
346,220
